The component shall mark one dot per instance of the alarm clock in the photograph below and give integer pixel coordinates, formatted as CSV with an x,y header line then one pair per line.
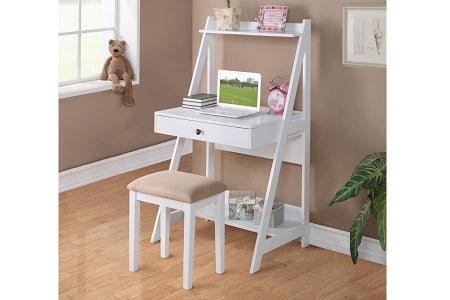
x,y
277,96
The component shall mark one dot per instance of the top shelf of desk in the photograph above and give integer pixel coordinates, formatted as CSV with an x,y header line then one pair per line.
x,y
249,28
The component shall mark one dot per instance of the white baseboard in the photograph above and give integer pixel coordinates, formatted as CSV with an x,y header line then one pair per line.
x,y
113,166
339,241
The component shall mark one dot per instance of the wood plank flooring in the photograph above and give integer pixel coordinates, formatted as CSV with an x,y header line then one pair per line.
x,y
93,256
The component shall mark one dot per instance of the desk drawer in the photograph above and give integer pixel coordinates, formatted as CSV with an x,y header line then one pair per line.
x,y
215,133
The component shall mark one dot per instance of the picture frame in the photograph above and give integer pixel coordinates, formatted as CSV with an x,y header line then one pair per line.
x,y
364,36
272,18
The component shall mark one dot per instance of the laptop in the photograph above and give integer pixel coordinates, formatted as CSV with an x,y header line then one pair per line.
x,y
238,94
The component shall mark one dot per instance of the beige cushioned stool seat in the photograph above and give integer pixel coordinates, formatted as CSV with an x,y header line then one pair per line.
x,y
177,185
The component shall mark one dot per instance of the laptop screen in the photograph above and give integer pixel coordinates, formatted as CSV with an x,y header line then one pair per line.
x,y
239,89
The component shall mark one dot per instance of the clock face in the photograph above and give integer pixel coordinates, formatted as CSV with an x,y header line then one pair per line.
x,y
276,100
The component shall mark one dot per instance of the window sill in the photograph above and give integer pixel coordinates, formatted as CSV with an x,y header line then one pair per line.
x,y
88,87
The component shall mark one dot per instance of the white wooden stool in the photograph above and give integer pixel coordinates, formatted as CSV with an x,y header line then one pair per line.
x,y
186,192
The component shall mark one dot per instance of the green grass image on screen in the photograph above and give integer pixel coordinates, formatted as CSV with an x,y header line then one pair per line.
x,y
247,96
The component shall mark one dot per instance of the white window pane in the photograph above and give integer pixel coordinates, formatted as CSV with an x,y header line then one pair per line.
x,y
94,51
68,15
68,57
97,14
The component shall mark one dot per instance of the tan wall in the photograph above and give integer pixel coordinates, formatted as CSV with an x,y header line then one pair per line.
x,y
97,126
348,118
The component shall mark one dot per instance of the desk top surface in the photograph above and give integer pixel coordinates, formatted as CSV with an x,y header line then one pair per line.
x,y
254,121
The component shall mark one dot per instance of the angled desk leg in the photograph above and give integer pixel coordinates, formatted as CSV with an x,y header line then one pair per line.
x,y
306,188
261,241
176,214
210,159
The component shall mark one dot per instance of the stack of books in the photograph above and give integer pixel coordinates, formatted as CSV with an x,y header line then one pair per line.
x,y
198,101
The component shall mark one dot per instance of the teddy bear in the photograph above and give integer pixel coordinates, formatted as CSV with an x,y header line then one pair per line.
x,y
118,67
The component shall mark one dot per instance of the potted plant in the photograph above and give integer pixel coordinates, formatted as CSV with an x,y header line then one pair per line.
x,y
369,174
228,18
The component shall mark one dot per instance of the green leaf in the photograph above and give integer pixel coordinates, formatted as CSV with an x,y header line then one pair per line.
x,y
379,205
372,158
357,229
371,196
368,174
373,174
373,165
349,190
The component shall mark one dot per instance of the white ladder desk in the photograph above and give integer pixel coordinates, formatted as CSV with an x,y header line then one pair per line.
x,y
279,137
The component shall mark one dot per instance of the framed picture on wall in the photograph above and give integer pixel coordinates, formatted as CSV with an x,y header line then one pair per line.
x,y
364,36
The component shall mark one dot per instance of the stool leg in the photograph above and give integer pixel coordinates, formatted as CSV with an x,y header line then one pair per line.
x,y
134,231
165,230
220,234
188,252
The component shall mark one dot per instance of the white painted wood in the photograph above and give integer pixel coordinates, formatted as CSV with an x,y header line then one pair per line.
x,y
134,218
175,216
249,135
249,28
292,219
189,212
188,251
156,233
86,87
261,242
174,163
339,241
177,152
287,236
129,30
293,153
176,204
99,170
260,120
306,186
211,86
293,83
267,209
205,45
306,89
210,159
306,98
219,227
165,230
208,132
79,40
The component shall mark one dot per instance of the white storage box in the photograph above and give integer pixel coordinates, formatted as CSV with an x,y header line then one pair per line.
x,y
276,217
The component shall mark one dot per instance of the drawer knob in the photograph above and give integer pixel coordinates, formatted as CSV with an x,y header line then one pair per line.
x,y
198,131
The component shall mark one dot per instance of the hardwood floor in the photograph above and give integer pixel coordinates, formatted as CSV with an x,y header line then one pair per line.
x,y
93,256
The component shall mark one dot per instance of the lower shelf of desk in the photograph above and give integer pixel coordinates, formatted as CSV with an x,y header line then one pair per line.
x,y
293,220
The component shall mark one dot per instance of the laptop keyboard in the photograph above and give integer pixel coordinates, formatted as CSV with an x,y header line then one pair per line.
x,y
225,111
231,112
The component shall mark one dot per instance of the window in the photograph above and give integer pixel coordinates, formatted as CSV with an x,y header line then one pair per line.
x,y
85,27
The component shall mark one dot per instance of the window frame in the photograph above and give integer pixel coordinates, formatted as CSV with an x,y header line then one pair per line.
x,y
128,31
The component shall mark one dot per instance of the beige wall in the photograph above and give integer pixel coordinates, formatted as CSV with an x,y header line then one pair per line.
x,y
97,126
348,118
